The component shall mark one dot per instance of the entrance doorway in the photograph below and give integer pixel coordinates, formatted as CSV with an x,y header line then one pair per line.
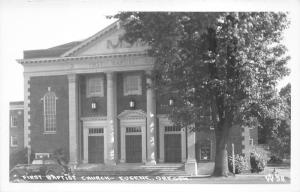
x,y
133,136
133,148
172,148
96,145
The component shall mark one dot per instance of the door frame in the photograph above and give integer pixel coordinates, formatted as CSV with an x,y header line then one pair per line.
x,y
163,122
132,118
93,123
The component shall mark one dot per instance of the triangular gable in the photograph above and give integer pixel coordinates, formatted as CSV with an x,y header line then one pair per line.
x,y
107,41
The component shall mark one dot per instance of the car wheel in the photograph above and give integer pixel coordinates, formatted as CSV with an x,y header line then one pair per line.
x,y
51,172
15,176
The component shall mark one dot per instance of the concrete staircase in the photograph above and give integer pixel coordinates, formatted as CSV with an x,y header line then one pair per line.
x,y
128,169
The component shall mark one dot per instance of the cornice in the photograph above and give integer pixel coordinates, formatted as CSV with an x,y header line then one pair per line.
x,y
78,58
16,107
132,115
98,118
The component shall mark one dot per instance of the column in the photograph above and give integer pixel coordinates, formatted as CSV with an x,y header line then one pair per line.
x,y
73,118
151,121
85,145
191,163
183,145
111,119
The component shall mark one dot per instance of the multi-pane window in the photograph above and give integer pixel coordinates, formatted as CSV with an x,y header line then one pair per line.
x,y
94,87
250,142
13,141
13,121
95,131
132,85
49,100
205,150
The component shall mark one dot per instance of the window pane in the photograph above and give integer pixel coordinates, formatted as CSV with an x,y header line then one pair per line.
x,y
132,85
50,112
95,87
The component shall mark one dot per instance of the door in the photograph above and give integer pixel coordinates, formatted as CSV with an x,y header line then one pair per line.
x,y
173,148
96,149
133,148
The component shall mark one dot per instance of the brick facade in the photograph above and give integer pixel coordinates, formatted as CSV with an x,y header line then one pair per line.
x,y
40,141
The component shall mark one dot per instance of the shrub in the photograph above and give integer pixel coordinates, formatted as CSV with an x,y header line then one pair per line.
x,y
257,162
18,157
275,159
61,155
240,163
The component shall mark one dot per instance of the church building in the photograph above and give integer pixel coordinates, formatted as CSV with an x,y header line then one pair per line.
x,y
91,98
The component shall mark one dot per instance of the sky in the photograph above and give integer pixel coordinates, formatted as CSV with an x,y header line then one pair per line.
x,y
40,24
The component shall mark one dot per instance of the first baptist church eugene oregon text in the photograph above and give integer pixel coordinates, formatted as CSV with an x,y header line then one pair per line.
x,y
91,98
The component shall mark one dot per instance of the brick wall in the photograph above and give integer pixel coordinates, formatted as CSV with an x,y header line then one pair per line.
x,y
86,110
207,135
123,101
17,131
47,143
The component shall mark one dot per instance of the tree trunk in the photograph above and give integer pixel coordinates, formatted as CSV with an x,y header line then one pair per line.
x,y
221,158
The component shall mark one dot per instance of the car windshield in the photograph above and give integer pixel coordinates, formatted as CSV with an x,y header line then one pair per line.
x,y
37,161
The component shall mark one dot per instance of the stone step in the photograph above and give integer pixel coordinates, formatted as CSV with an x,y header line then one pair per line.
x,y
130,173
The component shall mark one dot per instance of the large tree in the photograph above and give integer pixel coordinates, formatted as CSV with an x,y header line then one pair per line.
x,y
220,65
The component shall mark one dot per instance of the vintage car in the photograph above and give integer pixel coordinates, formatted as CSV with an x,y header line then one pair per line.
x,y
40,167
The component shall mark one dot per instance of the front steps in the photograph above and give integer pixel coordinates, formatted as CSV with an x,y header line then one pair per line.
x,y
128,169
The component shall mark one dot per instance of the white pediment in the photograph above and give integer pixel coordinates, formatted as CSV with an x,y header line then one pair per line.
x,y
132,114
107,41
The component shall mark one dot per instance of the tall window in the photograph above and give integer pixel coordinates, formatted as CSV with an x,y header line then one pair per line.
x,y
49,100
13,121
132,85
94,87
13,141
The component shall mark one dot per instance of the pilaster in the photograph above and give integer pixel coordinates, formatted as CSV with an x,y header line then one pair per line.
x,y
27,115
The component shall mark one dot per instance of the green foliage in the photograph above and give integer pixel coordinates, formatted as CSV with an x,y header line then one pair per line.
x,y
240,163
280,142
61,156
257,161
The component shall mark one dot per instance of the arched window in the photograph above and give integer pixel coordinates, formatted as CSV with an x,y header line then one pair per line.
x,y
49,101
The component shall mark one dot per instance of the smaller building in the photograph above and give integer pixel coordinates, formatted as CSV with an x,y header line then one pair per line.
x,y
16,126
